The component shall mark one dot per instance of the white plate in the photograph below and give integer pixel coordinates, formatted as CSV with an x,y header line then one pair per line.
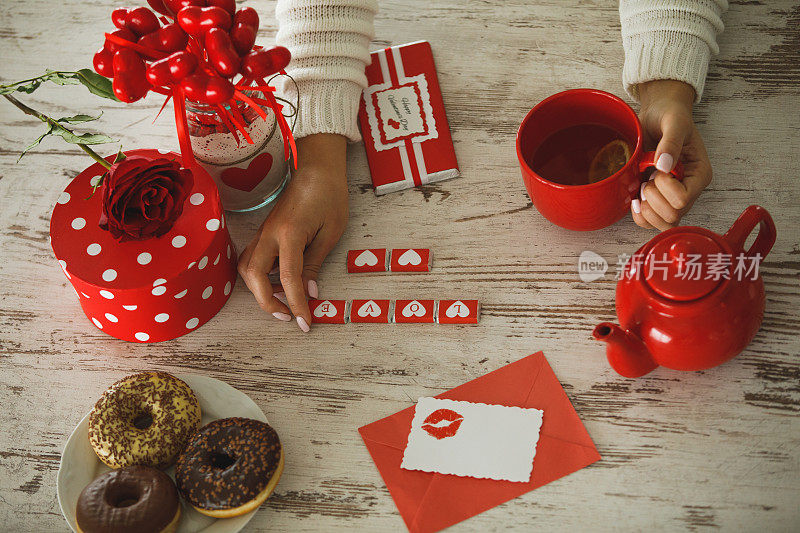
x,y
79,464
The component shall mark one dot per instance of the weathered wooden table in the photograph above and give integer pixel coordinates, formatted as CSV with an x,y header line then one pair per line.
x,y
719,448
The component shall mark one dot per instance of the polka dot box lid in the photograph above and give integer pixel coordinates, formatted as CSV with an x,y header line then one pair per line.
x,y
154,289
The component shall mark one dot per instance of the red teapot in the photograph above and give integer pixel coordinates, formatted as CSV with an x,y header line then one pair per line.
x,y
672,316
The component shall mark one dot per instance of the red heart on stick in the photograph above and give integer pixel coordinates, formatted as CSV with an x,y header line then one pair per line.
x,y
246,179
198,20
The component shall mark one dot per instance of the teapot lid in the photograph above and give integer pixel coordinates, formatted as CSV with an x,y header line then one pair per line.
x,y
686,265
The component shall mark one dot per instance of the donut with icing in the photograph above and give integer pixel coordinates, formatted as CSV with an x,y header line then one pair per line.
x,y
144,419
134,499
230,467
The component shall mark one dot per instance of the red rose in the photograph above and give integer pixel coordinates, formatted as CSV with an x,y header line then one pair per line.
x,y
143,197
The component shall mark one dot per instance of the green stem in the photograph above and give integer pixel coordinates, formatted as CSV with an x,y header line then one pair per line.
x,y
37,78
95,156
44,118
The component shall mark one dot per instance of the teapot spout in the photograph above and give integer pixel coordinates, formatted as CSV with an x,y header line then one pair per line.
x,y
626,352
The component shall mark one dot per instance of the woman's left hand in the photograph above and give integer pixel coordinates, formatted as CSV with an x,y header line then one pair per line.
x,y
666,117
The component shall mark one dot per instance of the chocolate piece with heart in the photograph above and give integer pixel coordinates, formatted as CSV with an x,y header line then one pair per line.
x,y
328,311
370,260
411,260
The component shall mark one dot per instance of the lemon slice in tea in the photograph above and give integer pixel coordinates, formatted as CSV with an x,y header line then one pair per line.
x,y
609,159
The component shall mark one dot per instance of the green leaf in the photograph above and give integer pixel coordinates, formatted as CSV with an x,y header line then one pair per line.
x,y
77,119
27,87
97,185
34,144
60,77
97,84
120,156
85,138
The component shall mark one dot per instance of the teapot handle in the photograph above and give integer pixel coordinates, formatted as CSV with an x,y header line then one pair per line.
x,y
743,227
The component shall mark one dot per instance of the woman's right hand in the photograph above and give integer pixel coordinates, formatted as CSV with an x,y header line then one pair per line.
x,y
666,117
300,231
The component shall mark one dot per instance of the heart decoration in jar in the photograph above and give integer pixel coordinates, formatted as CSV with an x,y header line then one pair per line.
x,y
201,48
196,21
246,179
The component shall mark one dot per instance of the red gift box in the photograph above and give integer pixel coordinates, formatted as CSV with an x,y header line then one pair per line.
x,y
145,290
403,121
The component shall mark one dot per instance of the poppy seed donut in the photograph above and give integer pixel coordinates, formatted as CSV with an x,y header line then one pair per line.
x,y
230,467
143,419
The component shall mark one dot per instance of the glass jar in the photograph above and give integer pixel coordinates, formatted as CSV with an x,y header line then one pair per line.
x,y
248,176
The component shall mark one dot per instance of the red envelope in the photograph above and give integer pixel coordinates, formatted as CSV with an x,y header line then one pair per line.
x,y
429,501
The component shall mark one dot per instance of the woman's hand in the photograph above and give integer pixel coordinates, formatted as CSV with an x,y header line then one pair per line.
x,y
302,228
666,117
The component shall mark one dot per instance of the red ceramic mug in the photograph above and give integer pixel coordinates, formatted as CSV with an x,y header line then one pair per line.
x,y
595,205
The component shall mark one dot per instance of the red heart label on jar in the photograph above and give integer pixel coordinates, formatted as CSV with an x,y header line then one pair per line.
x,y
246,179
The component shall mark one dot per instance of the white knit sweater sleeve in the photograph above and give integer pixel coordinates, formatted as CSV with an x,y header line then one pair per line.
x,y
329,41
669,39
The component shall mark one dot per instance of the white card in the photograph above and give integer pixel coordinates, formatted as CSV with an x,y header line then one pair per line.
x,y
473,439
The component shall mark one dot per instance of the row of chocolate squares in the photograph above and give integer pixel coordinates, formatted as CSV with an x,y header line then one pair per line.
x,y
397,311
395,260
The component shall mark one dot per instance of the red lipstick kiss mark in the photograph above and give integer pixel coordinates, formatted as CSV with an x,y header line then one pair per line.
x,y
442,423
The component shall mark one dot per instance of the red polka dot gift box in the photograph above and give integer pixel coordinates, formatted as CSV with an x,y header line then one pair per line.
x,y
149,290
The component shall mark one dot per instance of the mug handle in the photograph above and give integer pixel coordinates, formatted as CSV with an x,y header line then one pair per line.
x,y
649,160
744,226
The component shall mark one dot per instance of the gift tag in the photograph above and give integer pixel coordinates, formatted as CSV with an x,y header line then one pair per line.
x,y
372,311
473,439
458,312
415,311
370,260
328,311
410,260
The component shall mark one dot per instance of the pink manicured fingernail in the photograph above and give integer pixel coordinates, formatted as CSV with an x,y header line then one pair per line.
x,y
303,324
313,290
282,297
636,206
641,192
282,316
665,163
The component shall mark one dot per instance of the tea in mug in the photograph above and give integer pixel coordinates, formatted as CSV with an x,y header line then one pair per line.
x,y
581,154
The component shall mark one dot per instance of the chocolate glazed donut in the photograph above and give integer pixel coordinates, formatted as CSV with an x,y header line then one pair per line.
x,y
134,499
230,466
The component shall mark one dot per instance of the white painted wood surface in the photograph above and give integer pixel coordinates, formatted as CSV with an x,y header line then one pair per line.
x,y
714,449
